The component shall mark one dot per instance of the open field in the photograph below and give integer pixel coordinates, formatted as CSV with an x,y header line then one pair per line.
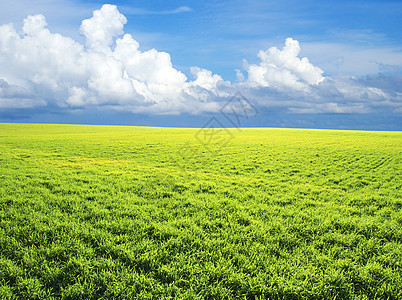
x,y
101,212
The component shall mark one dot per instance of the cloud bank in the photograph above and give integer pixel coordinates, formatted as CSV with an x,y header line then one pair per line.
x,y
39,68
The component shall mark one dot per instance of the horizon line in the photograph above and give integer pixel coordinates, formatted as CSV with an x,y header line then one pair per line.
x,y
180,127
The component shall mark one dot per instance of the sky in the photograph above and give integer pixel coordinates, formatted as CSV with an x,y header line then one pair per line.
x,y
298,64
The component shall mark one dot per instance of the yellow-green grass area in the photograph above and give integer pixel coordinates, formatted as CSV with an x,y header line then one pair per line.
x,y
113,212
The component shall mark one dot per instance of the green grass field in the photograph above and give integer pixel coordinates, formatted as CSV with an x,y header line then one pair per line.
x,y
109,212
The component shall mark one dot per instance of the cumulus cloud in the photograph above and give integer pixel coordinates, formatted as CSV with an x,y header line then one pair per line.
x,y
101,29
107,70
39,68
282,79
283,69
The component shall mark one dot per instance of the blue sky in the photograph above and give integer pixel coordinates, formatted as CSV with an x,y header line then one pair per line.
x,y
351,80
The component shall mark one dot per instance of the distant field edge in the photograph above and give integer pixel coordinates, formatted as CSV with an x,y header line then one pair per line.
x,y
195,128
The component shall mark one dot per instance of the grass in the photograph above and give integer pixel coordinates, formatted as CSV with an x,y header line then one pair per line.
x,y
103,212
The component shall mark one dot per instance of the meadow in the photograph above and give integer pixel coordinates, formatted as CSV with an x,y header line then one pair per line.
x,y
118,212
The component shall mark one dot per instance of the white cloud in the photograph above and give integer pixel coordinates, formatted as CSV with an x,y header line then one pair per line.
x,y
282,79
38,67
283,69
239,75
205,79
108,70
102,28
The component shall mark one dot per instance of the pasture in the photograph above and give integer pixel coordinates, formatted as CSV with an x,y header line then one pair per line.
x,y
118,212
